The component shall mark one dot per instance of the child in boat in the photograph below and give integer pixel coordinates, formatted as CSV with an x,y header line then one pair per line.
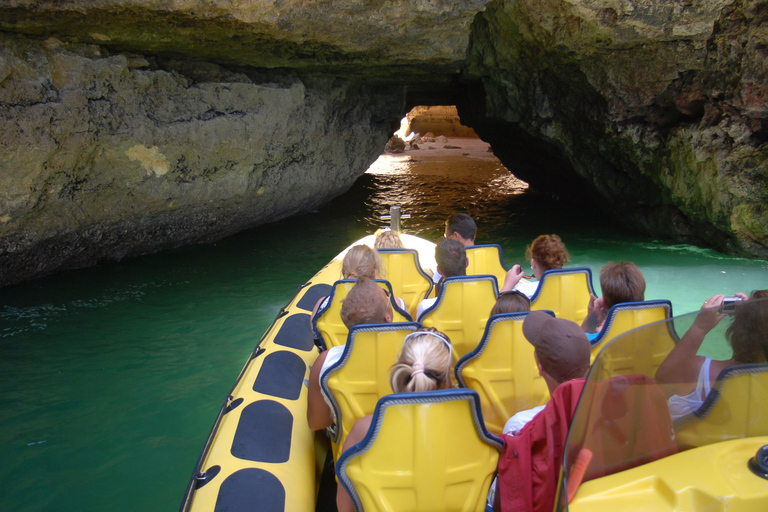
x,y
545,253
424,364
511,302
360,262
451,257
688,377
619,282
366,303
388,239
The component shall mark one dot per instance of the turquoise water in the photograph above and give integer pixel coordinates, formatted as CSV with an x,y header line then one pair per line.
x,y
112,377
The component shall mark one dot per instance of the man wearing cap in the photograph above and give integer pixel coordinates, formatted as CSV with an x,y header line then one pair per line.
x,y
561,351
530,463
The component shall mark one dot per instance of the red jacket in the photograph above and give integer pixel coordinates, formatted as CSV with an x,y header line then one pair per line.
x,y
529,465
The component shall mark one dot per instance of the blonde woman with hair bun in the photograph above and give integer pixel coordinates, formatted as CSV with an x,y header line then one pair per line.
x,y
388,239
424,364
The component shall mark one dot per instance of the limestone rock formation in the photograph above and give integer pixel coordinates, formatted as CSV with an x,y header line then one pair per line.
x,y
104,160
439,119
129,126
658,110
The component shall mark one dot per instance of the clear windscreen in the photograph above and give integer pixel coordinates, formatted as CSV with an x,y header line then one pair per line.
x,y
647,397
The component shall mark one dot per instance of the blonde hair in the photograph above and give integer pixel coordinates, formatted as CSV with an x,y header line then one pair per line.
x,y
424,363
388,239
362,261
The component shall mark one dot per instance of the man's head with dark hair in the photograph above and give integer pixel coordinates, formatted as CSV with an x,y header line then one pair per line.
x,y
621,282
451,258
366,303
461,227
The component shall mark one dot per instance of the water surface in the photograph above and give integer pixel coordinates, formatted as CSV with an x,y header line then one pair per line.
x,y
112,377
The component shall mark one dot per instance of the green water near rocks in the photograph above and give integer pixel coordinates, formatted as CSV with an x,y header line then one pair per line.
x,y
112,377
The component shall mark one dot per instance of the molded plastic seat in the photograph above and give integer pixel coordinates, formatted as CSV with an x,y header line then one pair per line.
x,y
486,259
735,408
628,315
565,291
327,324
654,341
356,382
408,279
503,371
423,451
462,309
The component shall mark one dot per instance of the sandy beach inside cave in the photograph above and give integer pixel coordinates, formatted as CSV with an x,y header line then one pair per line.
x,y
459,146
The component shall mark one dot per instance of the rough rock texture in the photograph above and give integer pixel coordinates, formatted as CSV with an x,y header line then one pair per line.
x,y
128,126
438,119
103,160
656,109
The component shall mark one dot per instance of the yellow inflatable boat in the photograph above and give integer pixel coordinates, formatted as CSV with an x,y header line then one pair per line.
x,y
261,455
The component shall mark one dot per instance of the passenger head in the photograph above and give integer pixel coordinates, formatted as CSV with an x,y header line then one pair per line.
x,y
362,261
424,363
748,333
366,303
451,258
461,227
511,302
561,348
621,282
388,239
547,252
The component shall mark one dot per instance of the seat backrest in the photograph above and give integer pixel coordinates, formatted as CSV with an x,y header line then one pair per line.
x,y
565,291
327,324
503,372
626,316
486,259
462,309
356,382
408,279
736,407
423,451
619,355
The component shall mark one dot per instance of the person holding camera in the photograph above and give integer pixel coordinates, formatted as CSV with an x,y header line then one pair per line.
x,y
688,377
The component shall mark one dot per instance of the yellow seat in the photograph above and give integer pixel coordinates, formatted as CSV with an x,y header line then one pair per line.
x,y
735,408
360,377
461,310
327,324
486,259
408,280
565,291
502,370
423,452
619,356
628,315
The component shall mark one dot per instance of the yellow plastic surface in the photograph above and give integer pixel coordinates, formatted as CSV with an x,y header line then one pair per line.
x,y
712,478
462,312
505,374
426,457
408,281
740,411
653,341
486,259
332,330
364,378
623,320
565,292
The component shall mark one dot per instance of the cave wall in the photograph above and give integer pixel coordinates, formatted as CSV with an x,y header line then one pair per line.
x,y
130,126
655,109
103,157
